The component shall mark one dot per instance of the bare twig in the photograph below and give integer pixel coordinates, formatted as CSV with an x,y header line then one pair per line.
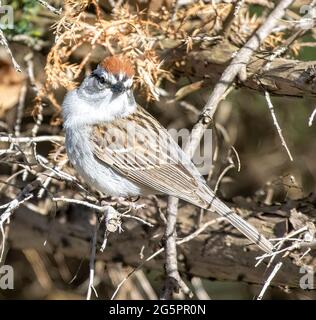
x,y
199,289
268,281
311,118
4,42
235,68
81,202
20,110
280,243
143,281
4,248
50,178
102,209
13,205
38,119
138,219
50,7
221,176
11,139
173,280
240,61
158,252
92,260
276,124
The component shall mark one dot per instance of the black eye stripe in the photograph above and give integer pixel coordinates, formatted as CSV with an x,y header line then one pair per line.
x,y
103,80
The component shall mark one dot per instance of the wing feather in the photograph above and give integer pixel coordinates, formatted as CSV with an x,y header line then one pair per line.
x,y
160,164
156,163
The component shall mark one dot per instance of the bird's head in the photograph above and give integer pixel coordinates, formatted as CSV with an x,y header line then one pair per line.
x,y
114,73
112,77
104,95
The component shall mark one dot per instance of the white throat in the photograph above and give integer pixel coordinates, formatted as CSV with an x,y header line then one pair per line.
x,y
81,109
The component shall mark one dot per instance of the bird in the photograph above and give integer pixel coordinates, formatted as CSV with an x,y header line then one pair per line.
x,y
120,149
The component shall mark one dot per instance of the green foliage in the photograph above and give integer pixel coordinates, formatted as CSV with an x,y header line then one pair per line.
x,y
26,14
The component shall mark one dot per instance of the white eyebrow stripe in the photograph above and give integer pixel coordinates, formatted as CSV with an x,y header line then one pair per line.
x,y
121,76
128,82
112,79
107,75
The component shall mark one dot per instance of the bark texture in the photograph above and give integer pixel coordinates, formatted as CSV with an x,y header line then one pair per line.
x,y
281,77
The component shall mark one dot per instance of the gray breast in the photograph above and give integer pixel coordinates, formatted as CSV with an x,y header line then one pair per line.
x,y
97,175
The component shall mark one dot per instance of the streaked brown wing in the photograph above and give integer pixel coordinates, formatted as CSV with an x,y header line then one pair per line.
x,y
150,157
139,148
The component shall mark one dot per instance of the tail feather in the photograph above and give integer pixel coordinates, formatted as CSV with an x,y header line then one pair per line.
x,y
243,226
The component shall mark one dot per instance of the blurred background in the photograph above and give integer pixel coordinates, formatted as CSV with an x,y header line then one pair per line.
x,y
266,173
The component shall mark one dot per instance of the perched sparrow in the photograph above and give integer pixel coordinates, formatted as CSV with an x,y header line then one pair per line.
x,y
121,150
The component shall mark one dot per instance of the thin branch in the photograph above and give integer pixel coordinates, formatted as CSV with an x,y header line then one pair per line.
x,y
145,284
11,139
4,217
221,176
161,250
311,118
4,42
238,63
4,244
270,278
82,202
294,246
276,124
92,261
50,7
20,110
102,209
199,289
173,281
138,219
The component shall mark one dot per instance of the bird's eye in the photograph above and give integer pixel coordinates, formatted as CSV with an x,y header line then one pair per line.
x,y
102,80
